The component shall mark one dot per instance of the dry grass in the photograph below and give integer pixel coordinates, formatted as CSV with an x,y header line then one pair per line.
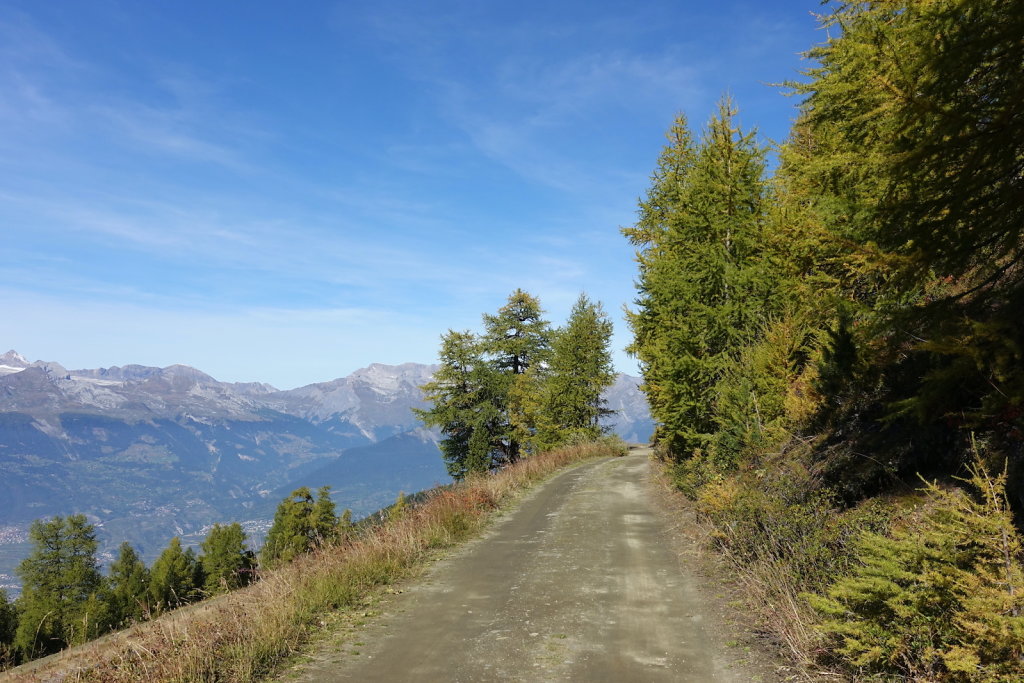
x,y
248,634
771,601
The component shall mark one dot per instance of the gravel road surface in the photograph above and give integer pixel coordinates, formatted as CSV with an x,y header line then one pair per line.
x,y
583,581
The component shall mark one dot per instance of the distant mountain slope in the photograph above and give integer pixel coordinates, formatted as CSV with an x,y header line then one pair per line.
x,y
376,401
632,418
149,452
367,478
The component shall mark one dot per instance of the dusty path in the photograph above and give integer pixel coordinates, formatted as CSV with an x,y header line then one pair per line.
x,y
579,583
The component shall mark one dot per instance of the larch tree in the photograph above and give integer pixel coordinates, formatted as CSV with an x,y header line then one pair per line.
x,y
516,339
60,604
580,369
703,290
8,628
657,212
520,387
466,397
926,100
326,525
176,577
128,584
227,562
302,523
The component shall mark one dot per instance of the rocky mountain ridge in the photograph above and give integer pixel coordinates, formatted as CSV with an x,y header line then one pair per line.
x,y
148,453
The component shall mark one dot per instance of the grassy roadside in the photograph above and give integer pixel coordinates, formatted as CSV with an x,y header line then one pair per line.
x,y
246,635
919,585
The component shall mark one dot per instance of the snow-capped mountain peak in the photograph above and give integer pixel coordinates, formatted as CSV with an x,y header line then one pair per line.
x,y
12,357
12,361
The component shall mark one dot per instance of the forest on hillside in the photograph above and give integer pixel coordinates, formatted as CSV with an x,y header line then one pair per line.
x,y
833,350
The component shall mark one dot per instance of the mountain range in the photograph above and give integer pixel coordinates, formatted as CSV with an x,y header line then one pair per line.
x,y
148,453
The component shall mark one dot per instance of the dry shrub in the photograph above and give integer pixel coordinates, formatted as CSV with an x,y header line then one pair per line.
x,y
784,537
245,635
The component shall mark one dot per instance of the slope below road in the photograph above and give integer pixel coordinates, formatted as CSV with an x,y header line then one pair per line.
x,y
582,581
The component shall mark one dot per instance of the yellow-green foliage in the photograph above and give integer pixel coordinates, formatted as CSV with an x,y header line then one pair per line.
x,y
890,237
399,508
941,597
775,516
767,391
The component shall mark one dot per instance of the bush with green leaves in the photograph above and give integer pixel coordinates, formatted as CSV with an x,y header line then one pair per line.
x,y
775,516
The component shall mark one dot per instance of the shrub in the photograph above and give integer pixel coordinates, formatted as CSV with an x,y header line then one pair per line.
x,y
939,598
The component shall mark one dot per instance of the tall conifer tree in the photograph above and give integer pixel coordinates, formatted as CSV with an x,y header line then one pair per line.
x,y
658,211
176,577
580,370
704,291
227,562
467,405
921,106
128,583
474,391
60,601
517,338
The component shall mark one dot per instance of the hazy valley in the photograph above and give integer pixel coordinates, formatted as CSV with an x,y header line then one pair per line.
x,y
148,453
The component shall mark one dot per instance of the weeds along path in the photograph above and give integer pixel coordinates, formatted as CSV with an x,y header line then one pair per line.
x,y
580,582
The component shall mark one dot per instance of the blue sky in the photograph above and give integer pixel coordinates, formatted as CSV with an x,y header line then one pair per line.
x,y
287,192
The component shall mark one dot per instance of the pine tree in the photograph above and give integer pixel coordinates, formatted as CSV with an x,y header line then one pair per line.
x,y
227,563
909,143
658,211
176,577
926,98
325,518
128,582
704,289
516,339
60,604
506,394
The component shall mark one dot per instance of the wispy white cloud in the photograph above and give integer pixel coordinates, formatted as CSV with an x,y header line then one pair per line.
x,y
166,131
526,106
49,94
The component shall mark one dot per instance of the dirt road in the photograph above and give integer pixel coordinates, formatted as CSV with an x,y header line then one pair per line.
x,y
581,582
